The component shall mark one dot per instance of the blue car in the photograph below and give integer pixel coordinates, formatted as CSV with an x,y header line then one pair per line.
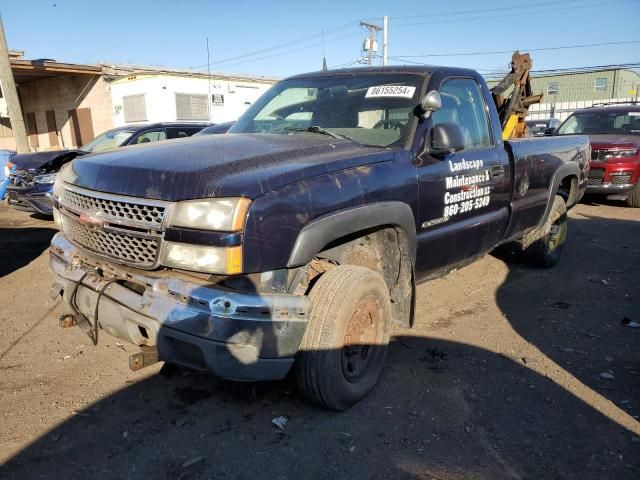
x,y
31,182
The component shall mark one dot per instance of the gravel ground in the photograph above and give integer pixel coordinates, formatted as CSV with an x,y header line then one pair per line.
x,y
509,373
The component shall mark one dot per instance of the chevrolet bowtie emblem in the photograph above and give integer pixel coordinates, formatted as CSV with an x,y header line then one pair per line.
x,y
91,221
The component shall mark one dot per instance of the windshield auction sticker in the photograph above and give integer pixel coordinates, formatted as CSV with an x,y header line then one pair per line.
x,y
390,91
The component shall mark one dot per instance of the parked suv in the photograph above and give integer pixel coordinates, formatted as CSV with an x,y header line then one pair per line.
x,y
31,183
614,133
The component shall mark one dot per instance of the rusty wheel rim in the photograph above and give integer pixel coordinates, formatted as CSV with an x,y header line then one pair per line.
x,y
557,233
360,339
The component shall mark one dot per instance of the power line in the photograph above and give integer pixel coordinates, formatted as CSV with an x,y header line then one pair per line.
x,y
565,70
283,45
518,14
344,65
465,54
485,10
291,51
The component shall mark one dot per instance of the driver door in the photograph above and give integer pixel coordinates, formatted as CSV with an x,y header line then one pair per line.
x,y
463,196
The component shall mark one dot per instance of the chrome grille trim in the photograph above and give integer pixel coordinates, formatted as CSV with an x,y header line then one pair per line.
x,y
138,250
130,230
117,209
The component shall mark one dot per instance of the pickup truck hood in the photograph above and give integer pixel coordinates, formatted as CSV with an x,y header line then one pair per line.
x,y
218,165
605,142
33,162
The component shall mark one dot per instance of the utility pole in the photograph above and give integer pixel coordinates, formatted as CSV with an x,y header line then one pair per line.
x,y
385,35
11,96
373,29
210,99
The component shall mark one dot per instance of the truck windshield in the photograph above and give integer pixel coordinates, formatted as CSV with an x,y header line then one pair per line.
x,y
371,109
615,123
109,139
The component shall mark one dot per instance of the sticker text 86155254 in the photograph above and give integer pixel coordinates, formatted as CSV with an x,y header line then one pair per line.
x,y
390,91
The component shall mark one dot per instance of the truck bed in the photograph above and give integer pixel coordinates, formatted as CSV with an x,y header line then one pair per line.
x,y
539,164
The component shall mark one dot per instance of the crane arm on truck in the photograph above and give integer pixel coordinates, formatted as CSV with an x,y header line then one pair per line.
x,y
513,108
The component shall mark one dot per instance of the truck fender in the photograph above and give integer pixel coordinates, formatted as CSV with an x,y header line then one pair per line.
x,y
321,232
564,171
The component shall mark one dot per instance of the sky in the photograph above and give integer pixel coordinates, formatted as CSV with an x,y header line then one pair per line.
x,y
281,38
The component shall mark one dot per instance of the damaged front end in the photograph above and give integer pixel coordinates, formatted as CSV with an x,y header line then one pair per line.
x,y
249,334
30,186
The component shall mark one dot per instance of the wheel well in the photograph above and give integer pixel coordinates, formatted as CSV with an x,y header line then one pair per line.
x,y
384,250
567,189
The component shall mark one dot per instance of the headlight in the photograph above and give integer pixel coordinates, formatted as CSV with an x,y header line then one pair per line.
x,y
45,178
57,186
57,218
222,260
220,214
622,153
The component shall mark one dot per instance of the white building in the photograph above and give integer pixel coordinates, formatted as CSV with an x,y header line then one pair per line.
x,y
148,95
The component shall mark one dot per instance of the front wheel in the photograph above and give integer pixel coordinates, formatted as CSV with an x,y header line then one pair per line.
x,y
545,252
343,349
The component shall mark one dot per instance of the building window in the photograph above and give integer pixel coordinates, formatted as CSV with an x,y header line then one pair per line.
x,y
134,107
552,88
191,107
601,84
217,99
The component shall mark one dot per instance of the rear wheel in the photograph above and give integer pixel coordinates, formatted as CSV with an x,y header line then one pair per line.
x,y
545,252
342,352
633,200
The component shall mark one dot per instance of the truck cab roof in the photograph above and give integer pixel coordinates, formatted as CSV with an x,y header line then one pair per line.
x,y
424,70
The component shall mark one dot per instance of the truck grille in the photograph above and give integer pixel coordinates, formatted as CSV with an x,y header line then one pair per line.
x,y
596,176
152,215
123,229
622,179
126,248
599,155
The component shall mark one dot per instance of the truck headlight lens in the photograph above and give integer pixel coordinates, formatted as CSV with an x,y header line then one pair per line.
x,y
201,258
57,187
220,214
57,218
45,178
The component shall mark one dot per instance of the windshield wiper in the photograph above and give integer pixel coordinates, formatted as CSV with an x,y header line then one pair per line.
x,y
317,129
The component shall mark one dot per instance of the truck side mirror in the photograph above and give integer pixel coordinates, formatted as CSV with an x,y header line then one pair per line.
x,y
430,103
549,131
445,138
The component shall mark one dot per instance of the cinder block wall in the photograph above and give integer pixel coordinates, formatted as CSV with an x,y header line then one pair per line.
x,y
62,94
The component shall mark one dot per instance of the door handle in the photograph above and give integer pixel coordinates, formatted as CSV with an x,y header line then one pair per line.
x,y
497,172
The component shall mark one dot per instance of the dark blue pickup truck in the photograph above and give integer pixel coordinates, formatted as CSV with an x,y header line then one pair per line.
x,y
300,235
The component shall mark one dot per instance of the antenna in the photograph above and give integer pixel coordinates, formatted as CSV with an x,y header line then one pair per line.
x,y
324,54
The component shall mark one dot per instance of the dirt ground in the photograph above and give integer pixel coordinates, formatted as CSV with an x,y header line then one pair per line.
x,y
509,372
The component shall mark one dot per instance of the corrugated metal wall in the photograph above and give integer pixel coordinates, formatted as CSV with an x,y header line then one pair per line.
x,y
563,94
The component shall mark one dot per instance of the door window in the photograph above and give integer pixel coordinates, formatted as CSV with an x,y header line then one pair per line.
x,y
182,132
151,136
463,104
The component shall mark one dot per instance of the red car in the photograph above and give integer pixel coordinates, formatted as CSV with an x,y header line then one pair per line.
x,y
614,132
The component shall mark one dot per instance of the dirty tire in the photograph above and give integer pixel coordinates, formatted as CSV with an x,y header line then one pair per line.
x,y
546,251
633,200
343,349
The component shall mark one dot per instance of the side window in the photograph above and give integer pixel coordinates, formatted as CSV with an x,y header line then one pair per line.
x,y
151,136
463,104
182,132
